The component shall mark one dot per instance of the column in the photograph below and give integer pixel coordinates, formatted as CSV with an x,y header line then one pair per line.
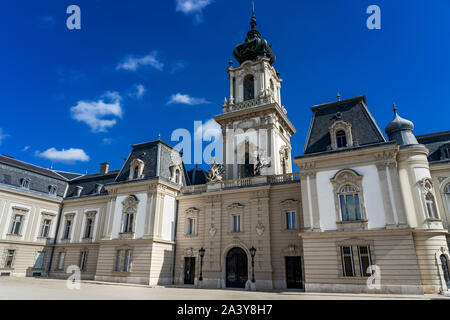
x,y
387,196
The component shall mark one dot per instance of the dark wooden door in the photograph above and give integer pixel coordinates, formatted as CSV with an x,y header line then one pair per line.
x,y
189,271
294,276
237,268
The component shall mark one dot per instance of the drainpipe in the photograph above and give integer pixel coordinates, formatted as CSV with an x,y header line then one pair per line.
x,y
175,239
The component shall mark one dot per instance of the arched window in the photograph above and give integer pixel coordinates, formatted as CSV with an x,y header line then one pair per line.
x,y
431,206
350,204
444,263
341,139
447,196
136,173
249,87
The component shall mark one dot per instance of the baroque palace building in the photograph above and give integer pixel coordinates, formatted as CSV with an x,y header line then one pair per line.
x,y
362,205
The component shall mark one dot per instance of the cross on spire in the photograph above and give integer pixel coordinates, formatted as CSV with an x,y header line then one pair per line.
x,y
395,108
253,22
339,96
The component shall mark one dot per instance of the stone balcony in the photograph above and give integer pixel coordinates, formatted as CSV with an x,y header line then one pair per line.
x,y
242,183
263,100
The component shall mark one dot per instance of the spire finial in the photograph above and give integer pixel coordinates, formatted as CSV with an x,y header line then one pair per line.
x,y
339,96
253,22
159,136
395,108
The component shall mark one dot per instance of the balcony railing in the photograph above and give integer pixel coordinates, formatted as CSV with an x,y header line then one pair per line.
x,y
248,104
242,183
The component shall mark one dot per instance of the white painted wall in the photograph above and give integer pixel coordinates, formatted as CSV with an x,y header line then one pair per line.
x,y
372,197
168,224
140,217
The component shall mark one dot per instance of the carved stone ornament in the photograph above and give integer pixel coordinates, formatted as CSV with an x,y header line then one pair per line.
x,y
216,171
260,229
427,185
235,206
189,252
213,231
130,205
192,211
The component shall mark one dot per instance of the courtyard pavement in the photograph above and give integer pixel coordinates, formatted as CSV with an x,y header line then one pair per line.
x,y
50,289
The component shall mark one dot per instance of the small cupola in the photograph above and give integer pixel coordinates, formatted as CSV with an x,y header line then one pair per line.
x,y
401,130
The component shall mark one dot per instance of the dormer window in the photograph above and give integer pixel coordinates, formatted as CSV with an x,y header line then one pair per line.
x,y
341,135
177,176
249,87
136,170
98,188
52,190
341,139
445,152
25,183
78,191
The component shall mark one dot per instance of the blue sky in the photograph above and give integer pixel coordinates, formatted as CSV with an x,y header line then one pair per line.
x,y
138,68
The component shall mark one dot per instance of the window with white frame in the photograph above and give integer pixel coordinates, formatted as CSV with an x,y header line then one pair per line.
x,y
83,260
89,228
447,196
39,260
236,223
365,260
291,220
67,228
123,261
431,206
16,225
45,231
128,223
191,226
61,257
52,190
348,266
350,204
25,183
9,259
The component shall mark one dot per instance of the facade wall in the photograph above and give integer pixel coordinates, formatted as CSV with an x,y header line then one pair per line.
x,y
393,253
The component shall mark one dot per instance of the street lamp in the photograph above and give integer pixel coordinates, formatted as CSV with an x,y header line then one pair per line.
x,y
253,253
201,252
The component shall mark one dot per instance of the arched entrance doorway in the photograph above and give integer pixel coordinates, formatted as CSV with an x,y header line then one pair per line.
x,y
237,268
444,263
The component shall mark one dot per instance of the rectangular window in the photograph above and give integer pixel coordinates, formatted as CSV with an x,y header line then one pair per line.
x,y
9,259
39,261
83,260
128,220
89,227
123,261
347,262
190,226
67,228
61,258
236,224
291,220
17,224
365,260
46,228
350,207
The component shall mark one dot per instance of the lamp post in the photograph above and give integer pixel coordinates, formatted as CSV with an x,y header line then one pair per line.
x,y
201,252
253,253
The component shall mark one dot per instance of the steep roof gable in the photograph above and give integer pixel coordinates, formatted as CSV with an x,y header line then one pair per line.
x,y
365,130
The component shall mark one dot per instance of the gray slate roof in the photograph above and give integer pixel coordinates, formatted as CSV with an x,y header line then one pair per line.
x,y
434,142
365,130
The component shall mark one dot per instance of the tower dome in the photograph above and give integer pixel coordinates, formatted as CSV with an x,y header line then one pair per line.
x,y
401,130
254,48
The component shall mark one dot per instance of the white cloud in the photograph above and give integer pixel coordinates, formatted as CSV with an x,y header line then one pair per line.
x,y
209,130
26,148
93,113
133,63
186,99
192,6
177,66
3,136
65,156
138,91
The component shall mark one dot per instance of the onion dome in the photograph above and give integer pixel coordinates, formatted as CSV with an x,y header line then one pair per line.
x,y
254,48
401,130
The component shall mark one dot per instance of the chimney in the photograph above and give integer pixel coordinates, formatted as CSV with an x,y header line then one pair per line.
x,y
104,168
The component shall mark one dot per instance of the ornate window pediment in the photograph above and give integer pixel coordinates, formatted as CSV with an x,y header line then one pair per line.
x,y
341,135
192,211
235,206
136,170
130,208
349,198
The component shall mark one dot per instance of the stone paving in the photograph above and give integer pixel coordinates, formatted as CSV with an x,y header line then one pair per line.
x,y
50,289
